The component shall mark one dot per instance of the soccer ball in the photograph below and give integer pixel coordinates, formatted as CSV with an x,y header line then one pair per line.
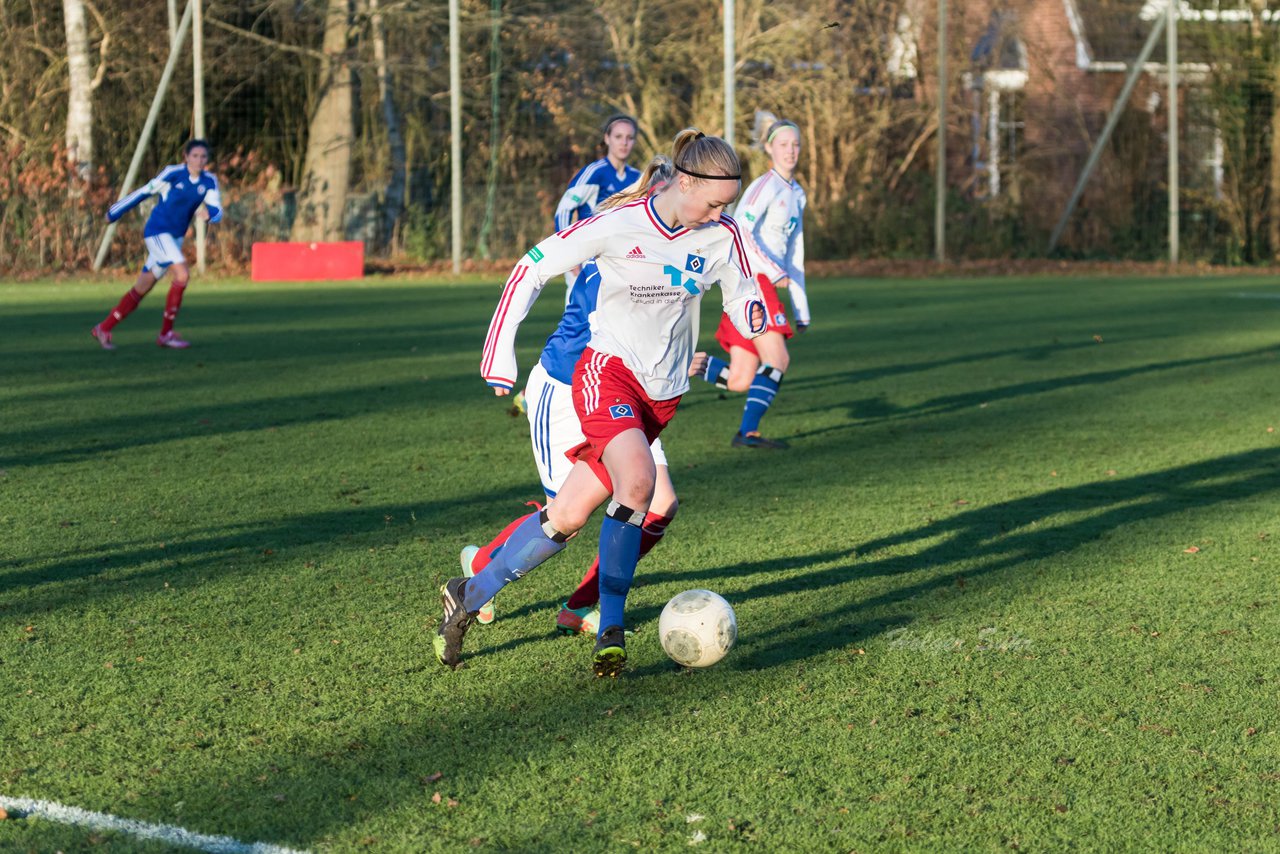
x,y
697,628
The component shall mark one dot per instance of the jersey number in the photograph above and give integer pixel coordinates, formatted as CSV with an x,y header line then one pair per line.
x,y
679,281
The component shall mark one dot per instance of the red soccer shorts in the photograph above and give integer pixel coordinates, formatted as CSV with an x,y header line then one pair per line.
x,y
728,335
609,400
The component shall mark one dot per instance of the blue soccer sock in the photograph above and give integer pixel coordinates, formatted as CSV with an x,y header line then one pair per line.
x,y
619,551
528,546
759,398
717,372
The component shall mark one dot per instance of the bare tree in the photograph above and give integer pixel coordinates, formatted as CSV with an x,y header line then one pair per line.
x,y
81,85
393,197
326,175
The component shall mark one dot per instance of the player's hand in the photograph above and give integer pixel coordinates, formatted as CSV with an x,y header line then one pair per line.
x,y
801,328
499,391
784,282
202,214
698,366
757,317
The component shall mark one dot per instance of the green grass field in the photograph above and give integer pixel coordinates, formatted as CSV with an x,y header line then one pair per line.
x,y
1013,586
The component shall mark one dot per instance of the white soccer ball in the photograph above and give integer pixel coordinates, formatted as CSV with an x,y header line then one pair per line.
x,y
697,628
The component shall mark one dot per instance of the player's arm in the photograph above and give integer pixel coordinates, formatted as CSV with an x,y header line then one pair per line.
x,y
213,202
157,185
741,297
580,197
761,260
553,256
795,270
749,214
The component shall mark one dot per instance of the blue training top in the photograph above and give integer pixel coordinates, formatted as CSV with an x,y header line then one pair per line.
x,y
592,184
565,345
179,198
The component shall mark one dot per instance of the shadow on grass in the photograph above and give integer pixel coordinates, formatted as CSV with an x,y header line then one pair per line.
x,y
197,552
77,440
1000,537
123,400
1032,353
460,744
878,409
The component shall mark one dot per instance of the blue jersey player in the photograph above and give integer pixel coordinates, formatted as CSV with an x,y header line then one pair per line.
x,y
555,430
597,181
185,191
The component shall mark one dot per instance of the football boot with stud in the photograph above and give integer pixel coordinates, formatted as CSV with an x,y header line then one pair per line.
x,y
610,657
755,440
578,621
103,337
453,628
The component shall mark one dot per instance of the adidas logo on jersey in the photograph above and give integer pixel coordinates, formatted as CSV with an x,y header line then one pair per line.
x,y
636,254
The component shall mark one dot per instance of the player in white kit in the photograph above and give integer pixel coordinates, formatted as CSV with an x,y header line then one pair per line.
x,y
772,215
555,431
658,251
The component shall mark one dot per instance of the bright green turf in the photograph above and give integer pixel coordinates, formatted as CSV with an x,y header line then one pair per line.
x,y
968,619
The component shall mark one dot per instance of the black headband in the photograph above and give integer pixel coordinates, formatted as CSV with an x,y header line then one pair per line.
x,y
613,121
708,177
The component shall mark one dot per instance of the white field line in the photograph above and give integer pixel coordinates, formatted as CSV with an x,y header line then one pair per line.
x,y
167,833
1245,295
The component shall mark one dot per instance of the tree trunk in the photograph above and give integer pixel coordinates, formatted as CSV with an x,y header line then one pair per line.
x,y
1273,206
79,104
394,196
326,174
495,129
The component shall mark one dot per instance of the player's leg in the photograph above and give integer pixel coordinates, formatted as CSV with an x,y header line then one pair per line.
x,y
580,613
173,303
736,373
168,249
141,287
474,558
743,364
771,348
763,388
533,541
629,462
540,536
553,431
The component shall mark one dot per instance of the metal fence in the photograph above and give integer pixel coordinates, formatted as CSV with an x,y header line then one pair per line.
x,y
1032,95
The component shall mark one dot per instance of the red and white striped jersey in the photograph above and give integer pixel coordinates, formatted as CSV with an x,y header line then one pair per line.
x,y
772,214
652,278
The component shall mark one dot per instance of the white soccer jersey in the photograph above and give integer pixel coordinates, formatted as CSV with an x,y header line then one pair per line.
x,y
772,211
652,278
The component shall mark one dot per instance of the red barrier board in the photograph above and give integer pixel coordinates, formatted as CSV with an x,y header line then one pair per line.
x,y
307,262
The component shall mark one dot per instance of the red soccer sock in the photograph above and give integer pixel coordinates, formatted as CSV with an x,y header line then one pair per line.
x,y
171,306
482,558
123,309
588,592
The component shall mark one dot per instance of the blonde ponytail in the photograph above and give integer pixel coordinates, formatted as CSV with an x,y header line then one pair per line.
x,y
694,153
